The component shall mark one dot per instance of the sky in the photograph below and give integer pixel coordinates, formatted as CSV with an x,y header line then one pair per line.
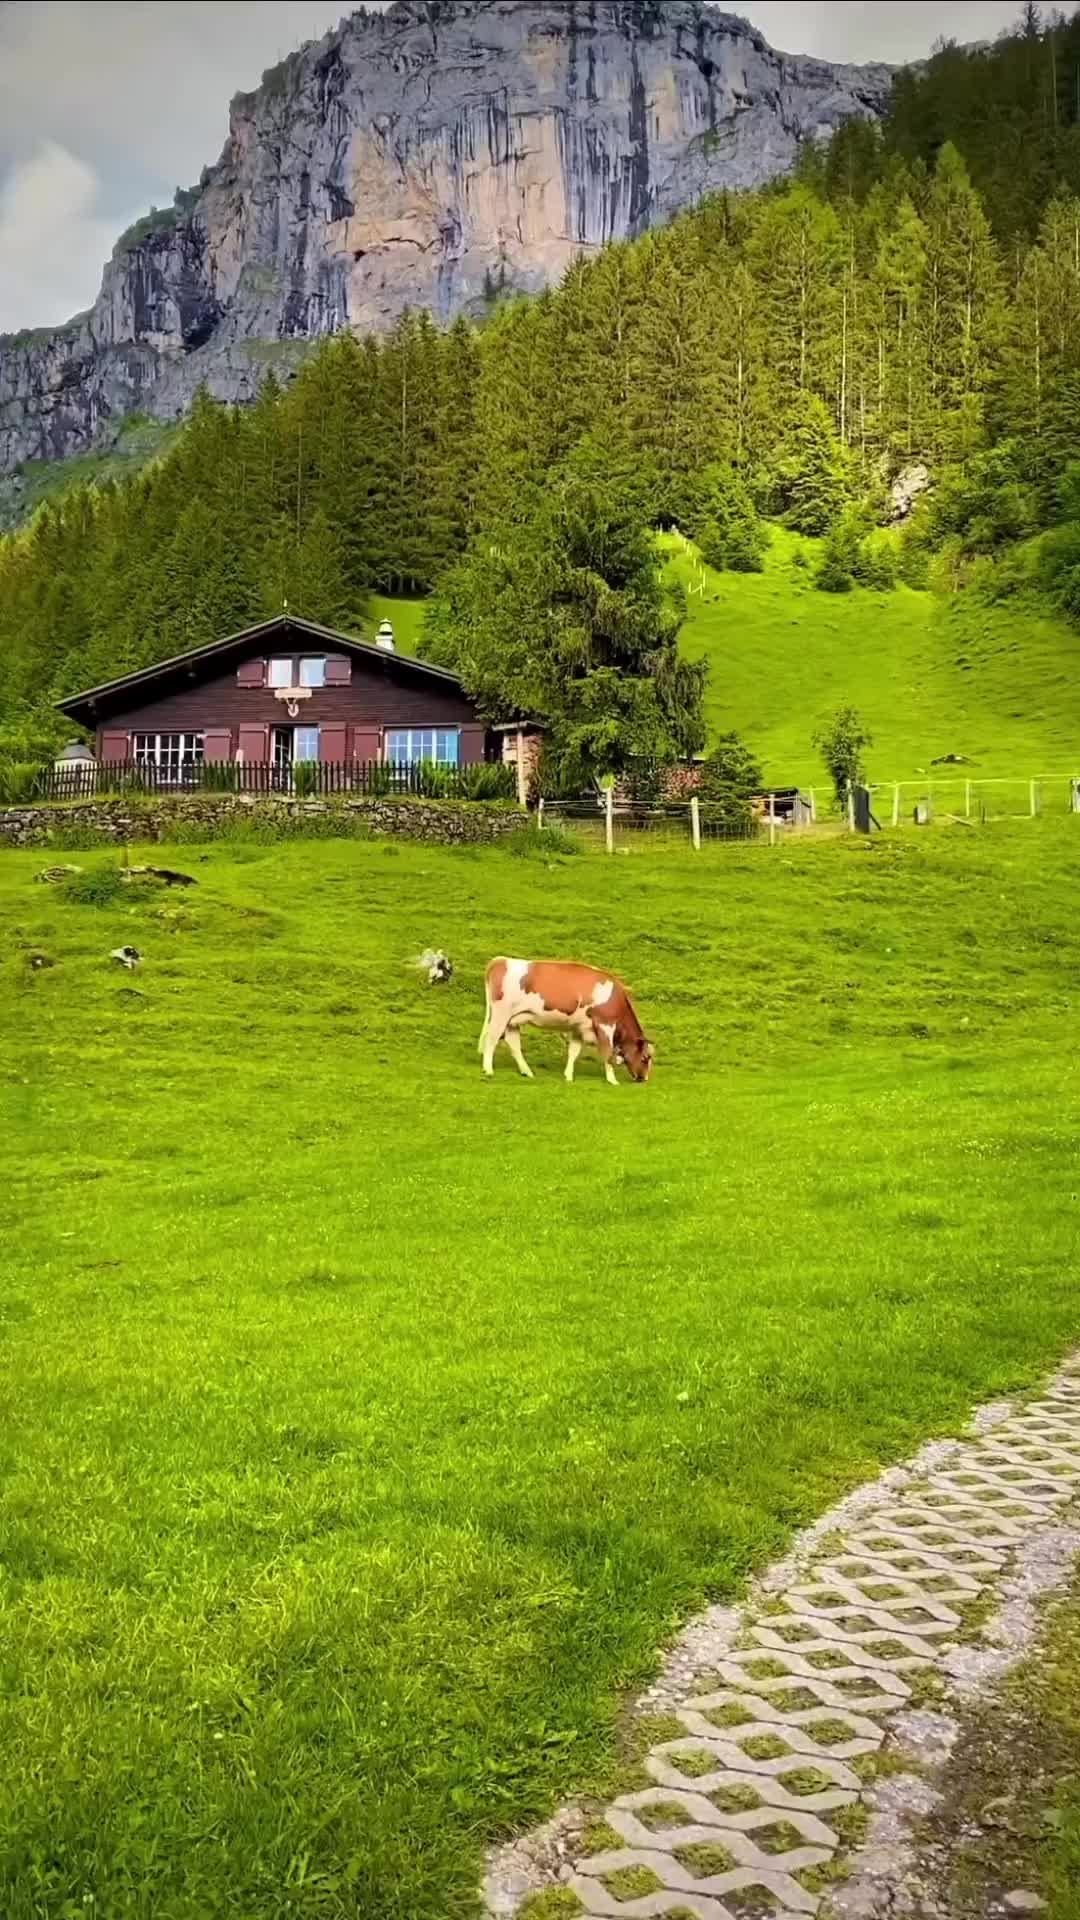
x,y
106,106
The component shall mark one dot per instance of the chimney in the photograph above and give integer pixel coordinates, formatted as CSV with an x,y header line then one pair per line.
x,y
385,637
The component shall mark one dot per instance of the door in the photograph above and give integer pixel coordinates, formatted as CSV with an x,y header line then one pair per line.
x,y
282,758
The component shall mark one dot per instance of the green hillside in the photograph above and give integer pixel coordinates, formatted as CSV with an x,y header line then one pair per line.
x,y
930,676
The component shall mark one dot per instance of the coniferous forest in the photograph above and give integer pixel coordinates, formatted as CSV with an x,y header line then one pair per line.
x,y
911,296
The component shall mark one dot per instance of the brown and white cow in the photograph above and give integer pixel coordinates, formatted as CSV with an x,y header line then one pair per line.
x,y
593,1009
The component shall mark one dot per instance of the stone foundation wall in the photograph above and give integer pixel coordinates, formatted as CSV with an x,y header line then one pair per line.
x,y
447,822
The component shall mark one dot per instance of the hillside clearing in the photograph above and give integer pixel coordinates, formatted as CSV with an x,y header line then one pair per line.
x,y
999,685
930,676
368,1427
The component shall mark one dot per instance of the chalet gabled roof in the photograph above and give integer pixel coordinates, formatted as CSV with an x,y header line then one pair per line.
x,y
284,629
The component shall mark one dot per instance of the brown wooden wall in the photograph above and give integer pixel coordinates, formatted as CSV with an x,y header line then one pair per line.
x,y
375,698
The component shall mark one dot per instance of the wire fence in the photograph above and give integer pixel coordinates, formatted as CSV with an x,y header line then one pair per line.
x,y
959,797
617,825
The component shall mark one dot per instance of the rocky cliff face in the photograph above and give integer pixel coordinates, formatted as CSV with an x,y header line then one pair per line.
x,y
433,155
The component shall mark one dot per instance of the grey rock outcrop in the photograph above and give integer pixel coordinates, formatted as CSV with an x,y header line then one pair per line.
x,y
434,155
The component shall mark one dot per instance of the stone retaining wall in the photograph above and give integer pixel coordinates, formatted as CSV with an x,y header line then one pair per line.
x,y
449,822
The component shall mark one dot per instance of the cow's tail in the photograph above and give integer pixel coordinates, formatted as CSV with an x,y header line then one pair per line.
x,y
487,1007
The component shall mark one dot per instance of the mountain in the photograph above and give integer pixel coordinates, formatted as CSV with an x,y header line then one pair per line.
x,y
436,155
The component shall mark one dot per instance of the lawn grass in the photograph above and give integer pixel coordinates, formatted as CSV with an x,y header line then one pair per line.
x,y
368,1426
405,616
930,675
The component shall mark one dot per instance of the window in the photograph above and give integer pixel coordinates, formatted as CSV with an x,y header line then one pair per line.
x,y
305,743
172,756
405,745
281,674
312,673
309,672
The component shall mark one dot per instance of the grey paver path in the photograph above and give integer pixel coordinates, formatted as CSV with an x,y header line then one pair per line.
x,y
783,1704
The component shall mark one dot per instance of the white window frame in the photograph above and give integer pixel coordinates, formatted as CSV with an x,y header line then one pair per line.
x,y
311,660
296,755
414,738
156,750
281,660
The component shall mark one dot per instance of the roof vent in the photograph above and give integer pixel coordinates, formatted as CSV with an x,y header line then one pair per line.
x,y
385,637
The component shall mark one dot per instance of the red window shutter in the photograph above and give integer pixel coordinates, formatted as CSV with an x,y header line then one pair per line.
x,y
255,744
217,744
332,741
251,673
114,747
365,744
338,671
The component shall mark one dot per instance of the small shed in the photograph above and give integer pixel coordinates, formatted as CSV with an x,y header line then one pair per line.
x,y
75,768
790,806
75,754
522,741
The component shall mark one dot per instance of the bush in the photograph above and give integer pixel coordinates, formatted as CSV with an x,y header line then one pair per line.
x,y
492,781
305,778
20,781
541,843
841,742
831,578
97,887
729,779
644,781
217,776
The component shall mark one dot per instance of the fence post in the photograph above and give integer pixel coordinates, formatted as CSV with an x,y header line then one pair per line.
x,y
850,808
1074,795
1033,799
609,818
695,823
772,819
896,803
540,814
813,806
967,799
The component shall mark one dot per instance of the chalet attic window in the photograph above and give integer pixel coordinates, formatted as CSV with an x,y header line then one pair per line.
x,y
309,671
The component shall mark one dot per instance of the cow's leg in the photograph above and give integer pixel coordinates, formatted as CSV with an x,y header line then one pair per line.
x,y
573,1052
494,1030
513,1041
605,1042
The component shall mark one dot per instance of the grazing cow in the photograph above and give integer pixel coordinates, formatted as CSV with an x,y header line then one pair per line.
x,y
593,1009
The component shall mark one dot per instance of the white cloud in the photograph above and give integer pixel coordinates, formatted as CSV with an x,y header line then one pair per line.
x,y
53,240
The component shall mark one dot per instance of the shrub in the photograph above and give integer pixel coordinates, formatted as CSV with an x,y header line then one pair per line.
x,y
831,578
841,743
729,779
216,776
493,781
97,887
541,843
19,781
305,777
644,781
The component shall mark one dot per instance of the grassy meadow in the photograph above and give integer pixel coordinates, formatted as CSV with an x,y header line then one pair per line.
x,y
930,676
366,1426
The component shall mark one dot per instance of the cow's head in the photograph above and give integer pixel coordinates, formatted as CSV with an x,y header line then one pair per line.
x,y
636,1054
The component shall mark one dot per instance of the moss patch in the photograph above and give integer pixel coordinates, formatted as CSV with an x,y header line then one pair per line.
x,y
704,1859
